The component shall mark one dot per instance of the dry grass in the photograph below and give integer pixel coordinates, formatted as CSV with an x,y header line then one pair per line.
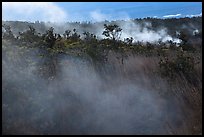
x,y
144,72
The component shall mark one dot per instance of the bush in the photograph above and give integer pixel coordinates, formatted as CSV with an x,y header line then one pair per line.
x,y
182,64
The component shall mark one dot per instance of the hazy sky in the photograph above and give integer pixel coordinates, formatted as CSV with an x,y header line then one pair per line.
x,y
97,11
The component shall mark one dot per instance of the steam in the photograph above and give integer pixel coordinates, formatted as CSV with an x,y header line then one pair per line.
x,y
138,31
195,32
144,34
195,15
135,30
171,16
24,11
98,16
81,99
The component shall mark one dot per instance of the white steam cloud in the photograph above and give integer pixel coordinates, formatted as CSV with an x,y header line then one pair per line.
x,y
194,15
80,100
141,33
171,16
98,16
32,11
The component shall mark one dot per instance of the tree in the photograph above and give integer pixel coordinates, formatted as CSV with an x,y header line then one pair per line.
x,y
6,32
184,37
112,31
49,37
185,44
88,37
129,40
67,34
29,35
75,36
50,64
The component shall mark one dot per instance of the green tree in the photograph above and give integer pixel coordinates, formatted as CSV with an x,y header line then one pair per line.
x,y
128,40
89,38
49,37
6,32
29,35
112,31
67,34
75,36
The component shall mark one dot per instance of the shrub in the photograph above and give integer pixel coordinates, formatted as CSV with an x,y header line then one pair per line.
x,y
182,64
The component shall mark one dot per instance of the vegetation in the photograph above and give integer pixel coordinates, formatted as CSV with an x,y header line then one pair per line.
x,y
165,61
173,59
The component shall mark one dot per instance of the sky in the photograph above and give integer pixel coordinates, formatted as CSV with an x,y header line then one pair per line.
x,y
96,11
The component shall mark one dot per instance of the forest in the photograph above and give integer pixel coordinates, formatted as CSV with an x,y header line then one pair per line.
x,y
139,76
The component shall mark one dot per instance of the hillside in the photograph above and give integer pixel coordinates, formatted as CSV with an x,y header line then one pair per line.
x,y
142,76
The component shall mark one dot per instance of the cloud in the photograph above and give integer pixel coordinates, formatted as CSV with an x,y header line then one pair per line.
x,y
195,15
32,11
99,16
171,16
